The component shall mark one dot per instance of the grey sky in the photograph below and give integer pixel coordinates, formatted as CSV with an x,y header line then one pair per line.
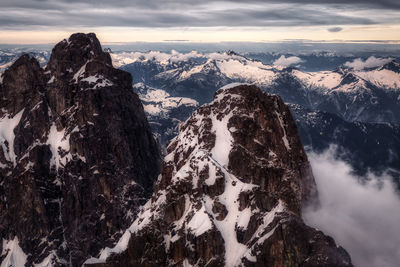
x,y
34,21
17,14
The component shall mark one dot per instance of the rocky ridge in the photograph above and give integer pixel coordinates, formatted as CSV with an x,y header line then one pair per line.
x,y
78,157
231,193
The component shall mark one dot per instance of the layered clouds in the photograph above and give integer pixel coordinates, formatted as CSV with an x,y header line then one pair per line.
x,y
363,217
287,61
200,21
190,13
371,62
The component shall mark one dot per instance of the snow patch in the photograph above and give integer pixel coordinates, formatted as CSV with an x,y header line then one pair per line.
x,y
232,85
59,146
200,223
52,79
7,126
158,102
124,58
323,79
98,81
284,138
223,140
246,70
381,78
14,255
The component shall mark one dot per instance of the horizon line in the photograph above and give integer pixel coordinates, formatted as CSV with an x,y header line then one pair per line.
x,y
288,41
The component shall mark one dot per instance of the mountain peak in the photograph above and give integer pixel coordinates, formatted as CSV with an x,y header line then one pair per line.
x,y
392,65
77,157
230,193
71,54
22,81
231,53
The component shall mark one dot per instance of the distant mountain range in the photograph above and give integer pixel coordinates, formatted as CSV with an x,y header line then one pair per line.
x,y
8,56
356,109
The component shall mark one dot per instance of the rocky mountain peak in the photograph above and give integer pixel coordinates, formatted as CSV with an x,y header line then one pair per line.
x,y
243,122
230,193
69,55
21,82
77,156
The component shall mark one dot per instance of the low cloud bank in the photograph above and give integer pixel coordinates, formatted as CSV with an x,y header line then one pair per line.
x,y
287,61
371,62
364,218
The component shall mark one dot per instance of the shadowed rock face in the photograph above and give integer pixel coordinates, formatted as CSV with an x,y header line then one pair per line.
x,y
78,157
231,191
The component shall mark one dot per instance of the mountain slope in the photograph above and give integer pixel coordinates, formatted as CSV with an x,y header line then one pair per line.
x,y
78,156
231,192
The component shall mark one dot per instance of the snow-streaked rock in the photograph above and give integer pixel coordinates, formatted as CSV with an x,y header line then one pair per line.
x,y
230,193
77,156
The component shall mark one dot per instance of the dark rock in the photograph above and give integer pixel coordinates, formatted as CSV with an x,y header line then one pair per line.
x,y
83,158
231,193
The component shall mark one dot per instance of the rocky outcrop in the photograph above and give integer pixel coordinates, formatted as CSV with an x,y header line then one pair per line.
x,y
78,157
231,192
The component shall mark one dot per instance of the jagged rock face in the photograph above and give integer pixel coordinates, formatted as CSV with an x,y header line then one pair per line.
x,y
78,157
230,193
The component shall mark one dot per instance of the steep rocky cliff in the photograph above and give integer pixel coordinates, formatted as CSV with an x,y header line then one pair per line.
x,y
77,155
231,192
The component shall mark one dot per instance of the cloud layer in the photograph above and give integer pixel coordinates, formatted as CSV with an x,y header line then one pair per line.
x,y
189,13
287,61
363,218
371,62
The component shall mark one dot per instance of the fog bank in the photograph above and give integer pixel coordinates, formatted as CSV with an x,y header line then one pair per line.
x,y
364,218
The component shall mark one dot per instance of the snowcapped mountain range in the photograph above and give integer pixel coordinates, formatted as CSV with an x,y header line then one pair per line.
x,y
9,56
368,95
359,101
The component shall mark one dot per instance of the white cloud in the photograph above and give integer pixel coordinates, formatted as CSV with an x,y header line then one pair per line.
x,y
371,62
363,218
287,61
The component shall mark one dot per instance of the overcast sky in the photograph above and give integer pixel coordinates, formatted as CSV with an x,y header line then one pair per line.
x,y
25,21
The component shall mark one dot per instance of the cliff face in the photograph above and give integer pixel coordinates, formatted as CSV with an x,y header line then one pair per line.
x,y
77,159
230,193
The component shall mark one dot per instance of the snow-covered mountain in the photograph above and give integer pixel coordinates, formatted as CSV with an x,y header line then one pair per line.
x,y
9,56
368,95
230,194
